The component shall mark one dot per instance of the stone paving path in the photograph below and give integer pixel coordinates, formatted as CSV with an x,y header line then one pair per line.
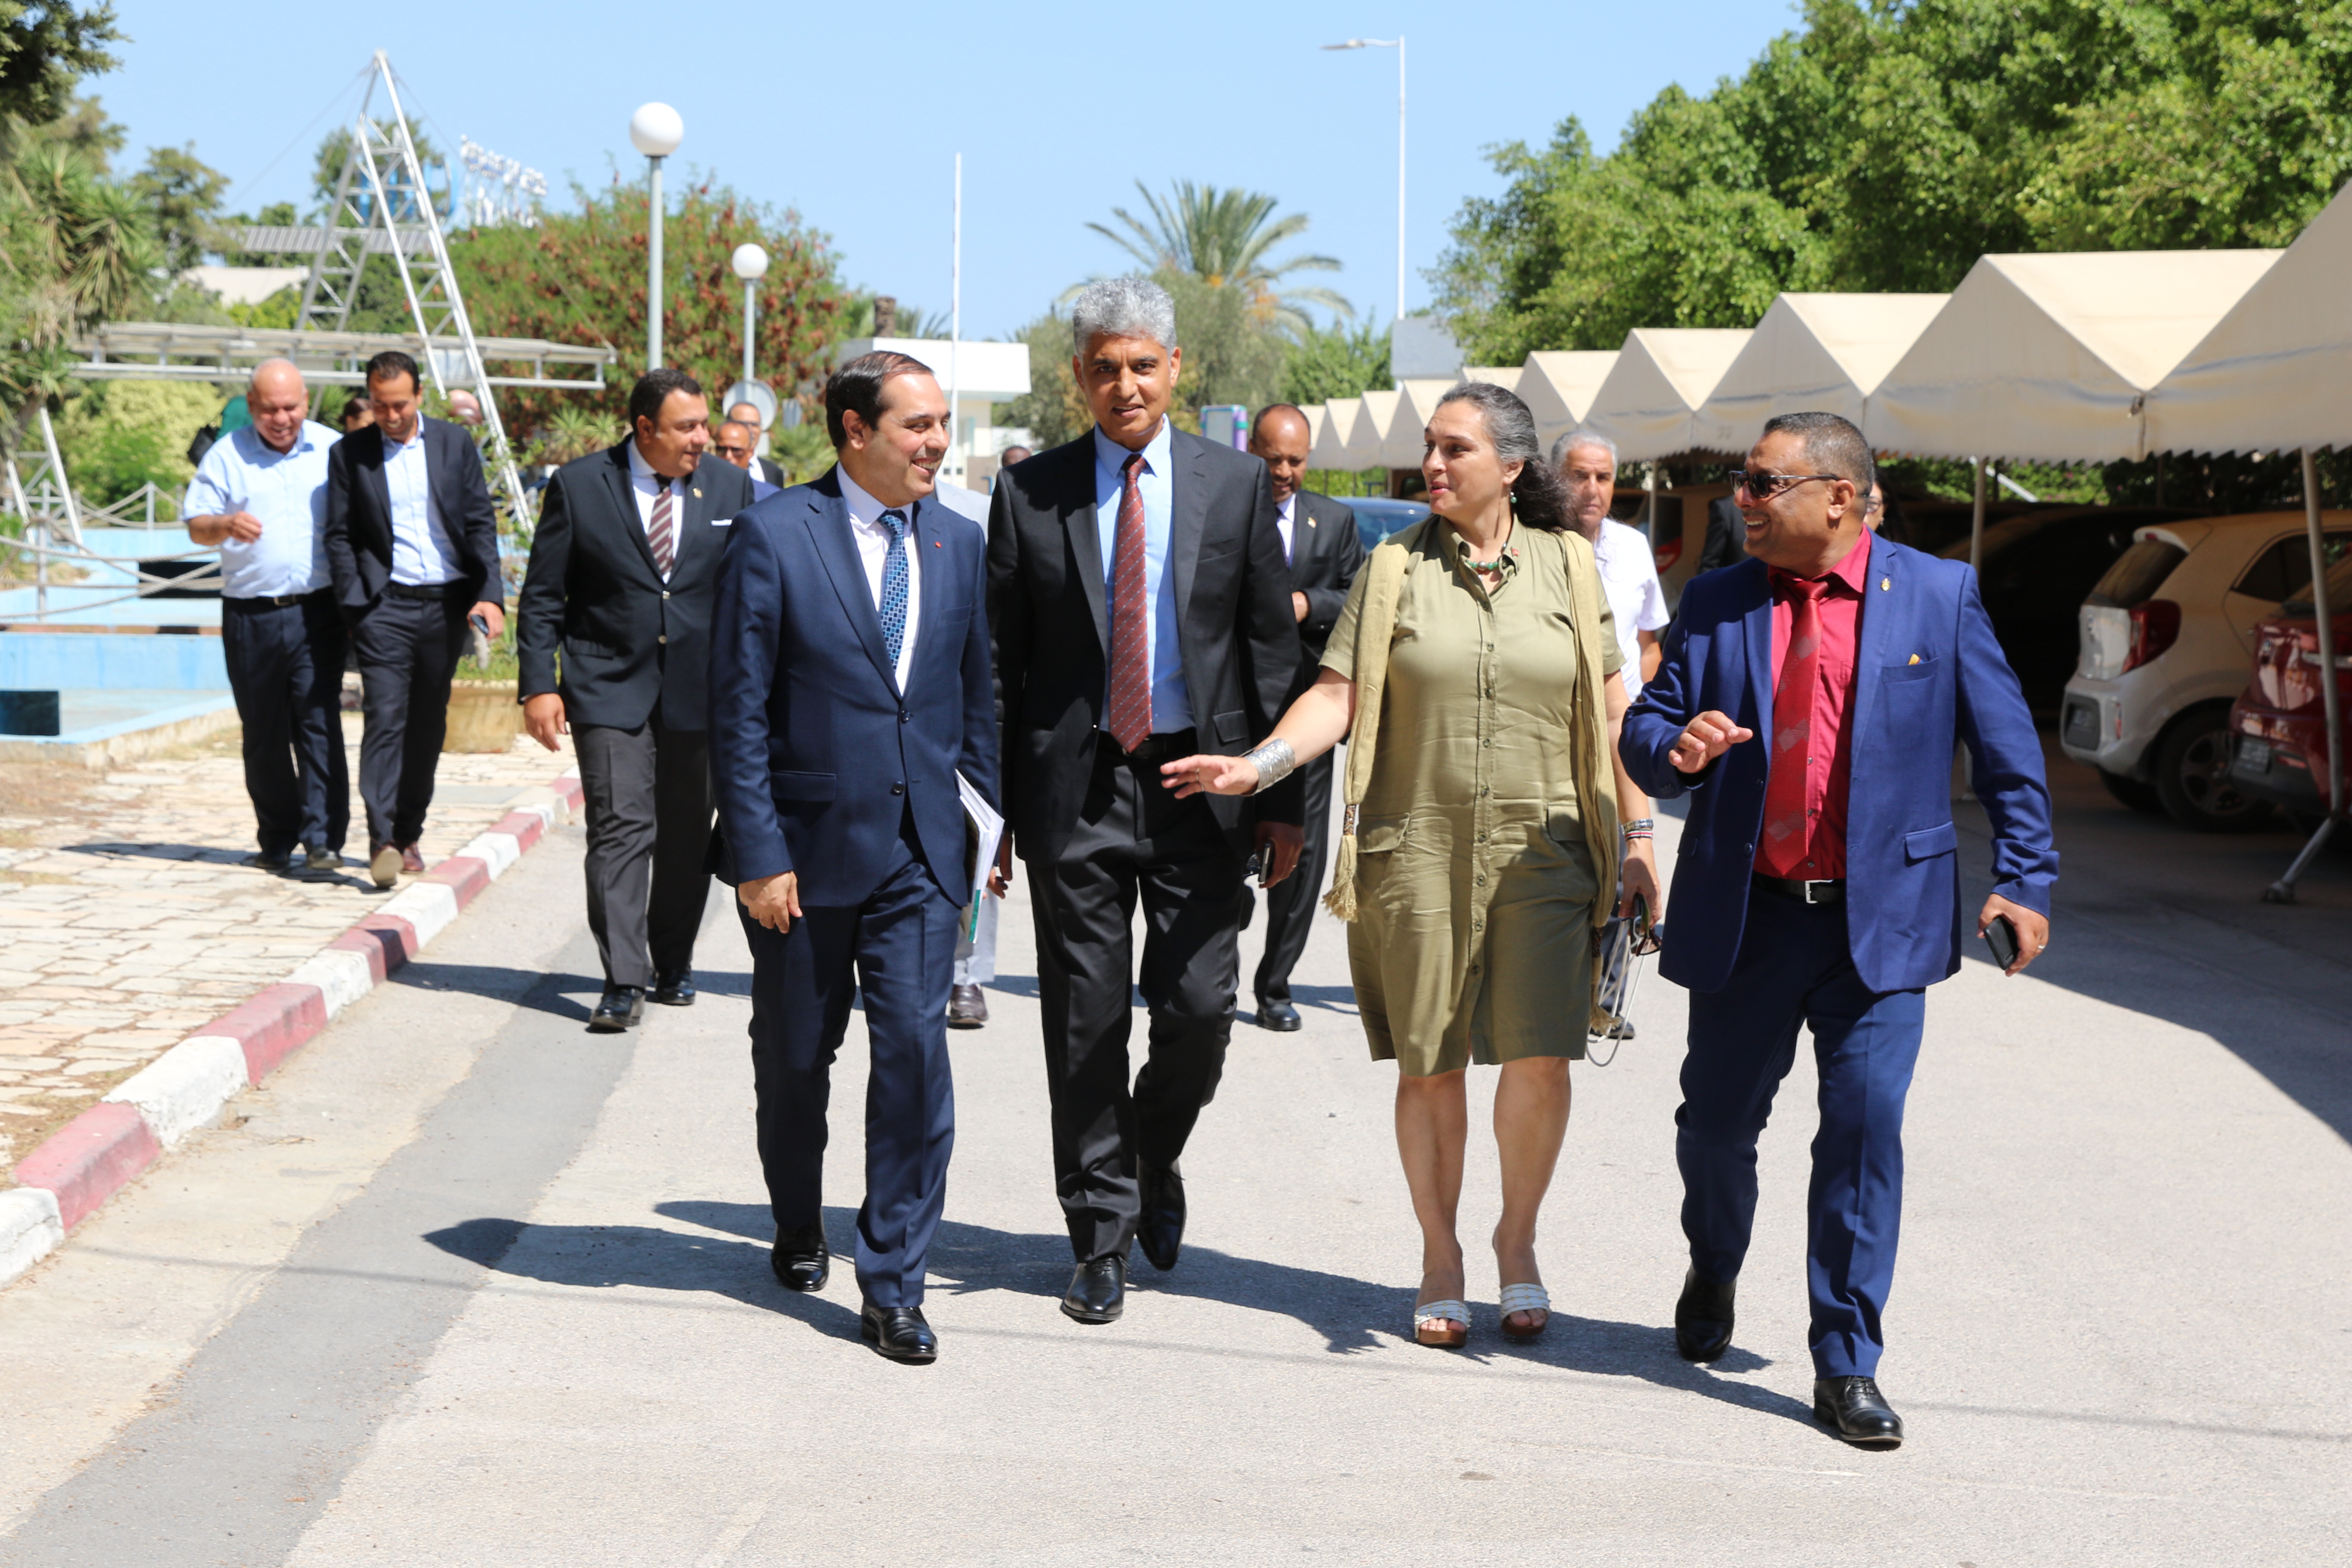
x,y
126,920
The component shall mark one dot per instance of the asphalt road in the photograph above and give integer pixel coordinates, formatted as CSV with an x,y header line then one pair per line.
x,y
468,1286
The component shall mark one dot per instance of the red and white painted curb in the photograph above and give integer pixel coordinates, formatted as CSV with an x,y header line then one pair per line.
x,y
104,1149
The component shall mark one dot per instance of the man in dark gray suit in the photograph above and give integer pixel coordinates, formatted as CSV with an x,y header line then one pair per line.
x,y
413,546
1319,537
1141,612
624,570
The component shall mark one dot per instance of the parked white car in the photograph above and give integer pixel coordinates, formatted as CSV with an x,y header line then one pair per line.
x,y
2166,640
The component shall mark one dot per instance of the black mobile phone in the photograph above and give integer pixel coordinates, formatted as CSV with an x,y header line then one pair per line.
x,y
1256,867
480,624
2001,937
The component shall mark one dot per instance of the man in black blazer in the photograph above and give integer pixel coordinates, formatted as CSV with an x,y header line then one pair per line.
x,y
765,467
413,545
1318,536
623,571
1141,611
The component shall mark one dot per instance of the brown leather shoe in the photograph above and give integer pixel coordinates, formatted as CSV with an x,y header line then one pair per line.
x,y
967,1007
411,861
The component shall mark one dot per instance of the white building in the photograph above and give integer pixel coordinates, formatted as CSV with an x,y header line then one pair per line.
x,y
975,375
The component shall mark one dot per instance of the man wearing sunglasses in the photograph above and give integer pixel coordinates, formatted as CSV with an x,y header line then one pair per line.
x,y
1808,702
737,443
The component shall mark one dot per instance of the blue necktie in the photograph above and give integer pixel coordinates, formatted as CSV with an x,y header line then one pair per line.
x,y
894,587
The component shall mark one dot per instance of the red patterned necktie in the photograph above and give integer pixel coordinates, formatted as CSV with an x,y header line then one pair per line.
x,y
662,536
1130,618
1786,789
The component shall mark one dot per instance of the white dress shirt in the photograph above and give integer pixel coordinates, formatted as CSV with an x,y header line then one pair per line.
x,y
873,540
1637,602
286,490
1283,514
421,550
1171,700
645,484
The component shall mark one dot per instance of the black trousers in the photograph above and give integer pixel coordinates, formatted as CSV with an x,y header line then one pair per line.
x,y
897,949
1134,839
286,669
649,806
408,648
1290,903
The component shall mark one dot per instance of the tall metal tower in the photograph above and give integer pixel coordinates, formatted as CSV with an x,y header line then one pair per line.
x,y
381,204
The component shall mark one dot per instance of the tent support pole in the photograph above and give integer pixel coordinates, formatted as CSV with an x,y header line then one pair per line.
x,y
1976,522
2331,698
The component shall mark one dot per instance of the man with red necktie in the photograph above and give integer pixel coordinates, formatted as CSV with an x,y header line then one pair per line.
x,y
623,570
1808,703
1141,610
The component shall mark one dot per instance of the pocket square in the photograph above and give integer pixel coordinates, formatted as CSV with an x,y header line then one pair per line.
x,y
1915,658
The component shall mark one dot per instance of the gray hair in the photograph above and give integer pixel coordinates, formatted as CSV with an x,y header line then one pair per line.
x,y
1832,443
1122,308
1539,496
1582,436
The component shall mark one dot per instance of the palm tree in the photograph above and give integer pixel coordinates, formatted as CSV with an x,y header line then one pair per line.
x,y
1222,237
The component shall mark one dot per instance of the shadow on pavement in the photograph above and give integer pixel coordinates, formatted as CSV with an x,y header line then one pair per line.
x,y
555,995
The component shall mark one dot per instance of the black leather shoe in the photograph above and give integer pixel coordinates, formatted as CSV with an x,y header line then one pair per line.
x,y
899,1333
1702,1318
673,990
622,1006
1160,1226
1097,1292
801,1260
1855,1409
270,860
1279,1016
967,1007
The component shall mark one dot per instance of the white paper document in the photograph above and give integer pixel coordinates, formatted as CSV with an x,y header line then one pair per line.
x,y
988,831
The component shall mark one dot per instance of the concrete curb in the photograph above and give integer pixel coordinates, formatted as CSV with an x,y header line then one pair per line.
x,y
104,1149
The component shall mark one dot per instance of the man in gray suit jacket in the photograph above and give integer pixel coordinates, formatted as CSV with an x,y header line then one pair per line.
x,y
623,570
1319,537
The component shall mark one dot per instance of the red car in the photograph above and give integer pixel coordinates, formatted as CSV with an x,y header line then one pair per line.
x,y
2281,719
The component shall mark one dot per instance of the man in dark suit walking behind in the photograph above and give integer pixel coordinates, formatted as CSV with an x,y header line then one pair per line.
x,y
413,544
1808,702
624,567
1143,612
849,687
1320,540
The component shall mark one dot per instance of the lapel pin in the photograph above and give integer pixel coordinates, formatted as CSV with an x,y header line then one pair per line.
x,y
1883,583
937,545
1915,658
698,493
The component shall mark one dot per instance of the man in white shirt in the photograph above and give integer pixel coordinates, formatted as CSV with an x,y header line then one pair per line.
x,y
262,494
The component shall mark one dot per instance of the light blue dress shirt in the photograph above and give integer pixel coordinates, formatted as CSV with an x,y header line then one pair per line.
x,y
286,490
1171,702
421,550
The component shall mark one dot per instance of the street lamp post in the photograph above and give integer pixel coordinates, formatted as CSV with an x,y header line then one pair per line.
x,y
1397,44
751,265
655,130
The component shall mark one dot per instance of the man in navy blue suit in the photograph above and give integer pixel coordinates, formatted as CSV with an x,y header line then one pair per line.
x,y
1809,701
850,682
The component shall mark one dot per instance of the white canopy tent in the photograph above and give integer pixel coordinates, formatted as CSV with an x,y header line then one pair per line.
x,y
2049,357
1506,377
1820,351
1558,386
1416,401
2276,373
1338,419
1374,412
1650,401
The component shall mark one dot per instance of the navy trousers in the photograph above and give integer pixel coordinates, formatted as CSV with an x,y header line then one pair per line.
x,y
1794,968
286,669
898,949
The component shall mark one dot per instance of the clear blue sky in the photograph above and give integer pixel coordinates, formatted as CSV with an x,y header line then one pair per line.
x,y
850,114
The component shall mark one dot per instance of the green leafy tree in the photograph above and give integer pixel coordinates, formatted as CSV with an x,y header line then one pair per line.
x,y
580,277
1225,239
46,49
185,194
120,435
1341,363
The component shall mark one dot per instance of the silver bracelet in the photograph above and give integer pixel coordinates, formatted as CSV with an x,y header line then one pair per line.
x,y
1274,761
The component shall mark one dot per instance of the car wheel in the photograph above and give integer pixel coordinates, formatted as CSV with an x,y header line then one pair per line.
x,y
2130,792
2192,777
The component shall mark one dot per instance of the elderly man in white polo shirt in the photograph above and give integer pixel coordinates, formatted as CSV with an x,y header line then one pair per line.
x,y
260,495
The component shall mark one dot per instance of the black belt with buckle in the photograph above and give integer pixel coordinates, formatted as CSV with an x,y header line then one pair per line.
x,y
1155,748
273,601
1800,892
435,591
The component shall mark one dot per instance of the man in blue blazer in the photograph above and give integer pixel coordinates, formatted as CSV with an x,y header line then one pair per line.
x,y
1809,701
850,683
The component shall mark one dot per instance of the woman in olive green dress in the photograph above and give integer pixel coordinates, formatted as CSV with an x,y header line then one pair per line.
x,y
1486,843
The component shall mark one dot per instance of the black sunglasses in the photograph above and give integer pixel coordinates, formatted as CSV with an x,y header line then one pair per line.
x,y
1764,487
